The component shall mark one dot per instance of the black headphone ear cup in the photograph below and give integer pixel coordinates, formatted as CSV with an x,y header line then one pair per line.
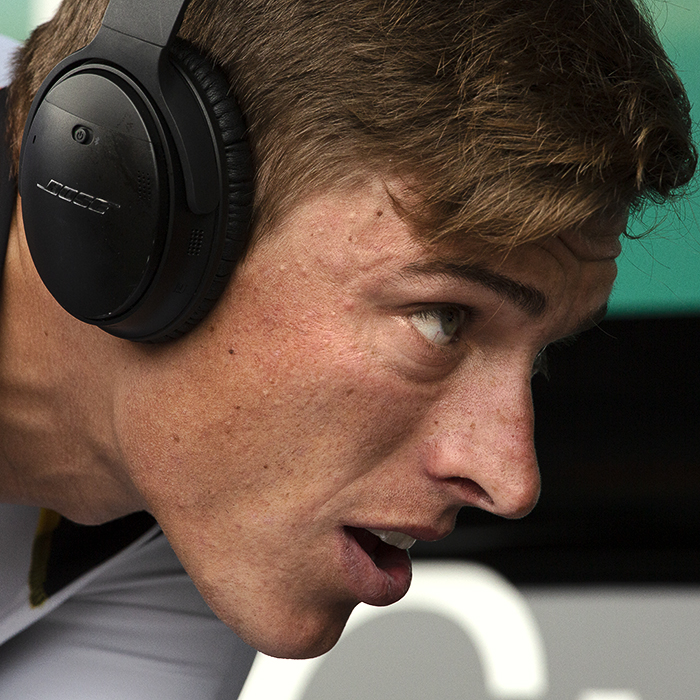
x,y
138,227
215,92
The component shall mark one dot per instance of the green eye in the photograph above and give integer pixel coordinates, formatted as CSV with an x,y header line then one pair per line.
x,y
439,325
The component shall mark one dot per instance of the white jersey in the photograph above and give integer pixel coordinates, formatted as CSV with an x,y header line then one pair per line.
x,y
133,627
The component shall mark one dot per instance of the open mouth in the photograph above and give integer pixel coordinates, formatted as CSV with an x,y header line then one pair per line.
x,y
384,547
377,565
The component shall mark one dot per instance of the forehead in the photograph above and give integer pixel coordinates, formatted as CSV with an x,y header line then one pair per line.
x,y
522,272
362,232
595,239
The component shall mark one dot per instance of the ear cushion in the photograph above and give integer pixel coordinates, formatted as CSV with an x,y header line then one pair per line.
x,y
215,92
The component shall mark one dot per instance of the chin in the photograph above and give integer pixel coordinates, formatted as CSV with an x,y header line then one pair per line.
x,y
298,637
298,648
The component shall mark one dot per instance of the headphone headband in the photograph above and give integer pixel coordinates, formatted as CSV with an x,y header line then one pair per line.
x,y
155,23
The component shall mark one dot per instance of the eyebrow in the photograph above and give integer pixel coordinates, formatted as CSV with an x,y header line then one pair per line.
x,y
530,299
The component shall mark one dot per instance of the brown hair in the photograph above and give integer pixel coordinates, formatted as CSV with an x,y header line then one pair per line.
x,y
508,119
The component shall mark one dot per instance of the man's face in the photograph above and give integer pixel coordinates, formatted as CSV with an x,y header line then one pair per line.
x,y
347,380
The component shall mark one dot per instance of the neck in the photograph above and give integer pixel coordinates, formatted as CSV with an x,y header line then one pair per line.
x,y
57,444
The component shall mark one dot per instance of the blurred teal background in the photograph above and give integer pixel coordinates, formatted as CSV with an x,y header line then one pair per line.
x,y
659,275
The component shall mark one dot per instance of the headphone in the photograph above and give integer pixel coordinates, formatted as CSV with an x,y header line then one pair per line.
x,y
136,177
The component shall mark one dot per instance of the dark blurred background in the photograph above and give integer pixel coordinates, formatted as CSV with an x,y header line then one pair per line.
x,y
618,439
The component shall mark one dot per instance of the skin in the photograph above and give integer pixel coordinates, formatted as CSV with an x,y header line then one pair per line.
x,y
348,378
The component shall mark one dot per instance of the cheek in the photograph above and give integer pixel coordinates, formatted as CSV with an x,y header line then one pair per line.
x,y
278,419
317,417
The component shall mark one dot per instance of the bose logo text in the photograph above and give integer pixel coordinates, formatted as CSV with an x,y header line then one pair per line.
x,y
80,199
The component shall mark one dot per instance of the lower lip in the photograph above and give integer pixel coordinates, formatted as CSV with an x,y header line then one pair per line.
x,y
380,583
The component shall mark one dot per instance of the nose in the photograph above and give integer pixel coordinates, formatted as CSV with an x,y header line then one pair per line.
x,y
482,447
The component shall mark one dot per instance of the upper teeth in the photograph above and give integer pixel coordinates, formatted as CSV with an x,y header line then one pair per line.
x,y
395,539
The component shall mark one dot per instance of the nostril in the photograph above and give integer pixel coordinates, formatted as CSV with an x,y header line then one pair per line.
x,y
471,492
